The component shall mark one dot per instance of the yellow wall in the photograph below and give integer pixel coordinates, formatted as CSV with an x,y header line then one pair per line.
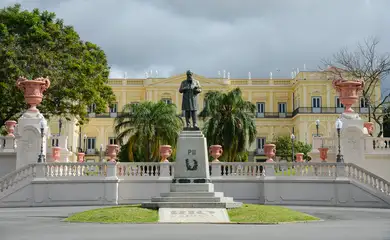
x,y
269,91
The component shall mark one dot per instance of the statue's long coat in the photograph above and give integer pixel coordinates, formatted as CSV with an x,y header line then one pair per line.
x,y
190,102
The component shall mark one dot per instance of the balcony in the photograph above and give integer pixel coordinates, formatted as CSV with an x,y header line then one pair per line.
x,y
325,110
274,115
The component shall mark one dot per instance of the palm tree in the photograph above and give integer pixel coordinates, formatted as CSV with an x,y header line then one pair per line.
x,y
148,125
229,121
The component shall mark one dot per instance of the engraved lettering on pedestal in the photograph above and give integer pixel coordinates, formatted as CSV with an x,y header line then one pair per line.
x,y
193,166
353,143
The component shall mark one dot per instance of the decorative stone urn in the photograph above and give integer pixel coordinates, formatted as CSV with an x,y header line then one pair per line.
x,y
56,154
80,156
165,152
33,90
10,127
270,151
370,127
299,157
323,153
349,91
112,152
215,151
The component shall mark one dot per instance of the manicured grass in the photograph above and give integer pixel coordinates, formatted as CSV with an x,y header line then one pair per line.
x,y
253,213
249,213
121,214
288,172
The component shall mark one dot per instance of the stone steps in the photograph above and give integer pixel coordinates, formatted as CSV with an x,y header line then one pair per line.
x,y
157,205
191,199
192,194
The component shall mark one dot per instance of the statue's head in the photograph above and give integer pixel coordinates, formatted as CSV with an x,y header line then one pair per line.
x,y
189,73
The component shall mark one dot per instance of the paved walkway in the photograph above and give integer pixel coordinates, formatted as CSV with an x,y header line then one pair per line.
x,y
340,223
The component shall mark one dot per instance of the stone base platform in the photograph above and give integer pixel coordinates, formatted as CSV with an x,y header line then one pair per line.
x,y
193,195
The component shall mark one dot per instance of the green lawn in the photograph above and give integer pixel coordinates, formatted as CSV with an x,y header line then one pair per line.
x,y
249,213
120,214
253,213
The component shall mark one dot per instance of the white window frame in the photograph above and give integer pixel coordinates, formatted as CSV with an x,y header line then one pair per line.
x,y
260,142
112,140
260,109
339,105
316,104
363,106
91,145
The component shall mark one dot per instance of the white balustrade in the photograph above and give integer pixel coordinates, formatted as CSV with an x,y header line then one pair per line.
x,y
380,145
144,170
361,175
17,179
69,170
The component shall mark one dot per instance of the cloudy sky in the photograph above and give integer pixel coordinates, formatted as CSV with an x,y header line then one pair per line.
x,y
208,36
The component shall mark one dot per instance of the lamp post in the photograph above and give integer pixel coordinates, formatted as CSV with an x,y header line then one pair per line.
x,y
292,146
42,157
59,127
339,126
85,143
317,126
101,152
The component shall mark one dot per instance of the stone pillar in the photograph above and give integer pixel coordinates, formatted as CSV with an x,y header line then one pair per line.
x,y
31,131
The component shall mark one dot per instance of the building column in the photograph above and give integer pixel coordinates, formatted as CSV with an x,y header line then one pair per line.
x,y
271,102
327,95
305,97
250,96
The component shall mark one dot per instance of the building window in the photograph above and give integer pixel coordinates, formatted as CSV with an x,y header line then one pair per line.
x,y
91,145
282,107
260,142
339,106
338,103
363,103
91,108
112,140
316,102
114,108
54,142
260,109
167,100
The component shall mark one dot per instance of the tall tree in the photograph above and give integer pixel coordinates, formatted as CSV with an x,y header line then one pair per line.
x,y
284,147
368,64
37,44
148,125
229,121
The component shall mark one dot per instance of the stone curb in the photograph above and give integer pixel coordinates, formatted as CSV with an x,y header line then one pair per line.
x,y
223,223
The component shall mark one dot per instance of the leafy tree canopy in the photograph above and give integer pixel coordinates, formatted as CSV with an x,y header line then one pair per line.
x,y
229,122
146,126
37,44
284,148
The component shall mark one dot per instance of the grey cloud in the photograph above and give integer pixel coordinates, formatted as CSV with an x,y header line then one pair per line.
x,y
237,35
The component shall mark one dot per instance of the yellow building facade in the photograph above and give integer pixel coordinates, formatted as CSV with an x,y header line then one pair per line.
x,y
284,106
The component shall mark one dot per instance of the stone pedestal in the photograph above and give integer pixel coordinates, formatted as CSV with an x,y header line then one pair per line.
x,y
63,145
28,137
191,186
352,140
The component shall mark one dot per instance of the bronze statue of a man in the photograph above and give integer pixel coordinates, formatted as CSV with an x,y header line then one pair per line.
x,y
190,88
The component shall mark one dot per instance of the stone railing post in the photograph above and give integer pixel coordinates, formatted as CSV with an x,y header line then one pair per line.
x,y
340,170
269,169
111,170
216,169
40,171
164,169
369,144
